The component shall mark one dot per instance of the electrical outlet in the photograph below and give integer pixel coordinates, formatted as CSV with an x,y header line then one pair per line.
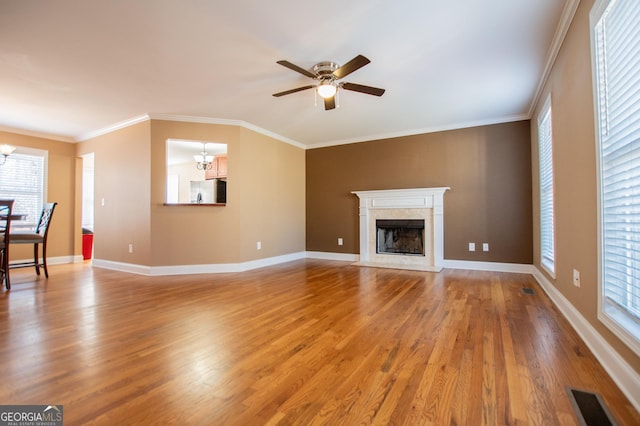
x,y
130,248
259,245
340,242
102,202
576,278
472,246
485,246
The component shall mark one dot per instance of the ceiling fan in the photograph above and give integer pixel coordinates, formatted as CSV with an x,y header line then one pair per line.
x,y
328,74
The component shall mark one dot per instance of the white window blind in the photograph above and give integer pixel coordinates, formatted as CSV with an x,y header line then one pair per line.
x,y
616,37
545,148
22,179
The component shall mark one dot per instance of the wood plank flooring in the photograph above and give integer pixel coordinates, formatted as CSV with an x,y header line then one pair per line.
x,y
307,342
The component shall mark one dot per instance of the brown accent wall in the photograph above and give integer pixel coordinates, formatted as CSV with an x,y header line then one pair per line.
x,y
575,180
60,188
488,169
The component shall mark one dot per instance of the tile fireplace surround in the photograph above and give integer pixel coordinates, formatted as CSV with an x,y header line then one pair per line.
x,y
417,203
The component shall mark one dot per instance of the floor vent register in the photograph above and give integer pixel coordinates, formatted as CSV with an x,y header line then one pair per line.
x,y
590,408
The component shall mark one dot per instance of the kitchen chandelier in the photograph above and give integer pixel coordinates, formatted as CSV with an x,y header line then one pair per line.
x,y
204,161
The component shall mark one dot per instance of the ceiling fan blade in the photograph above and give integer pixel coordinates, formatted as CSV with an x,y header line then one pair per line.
x,y
351,66
288,92
297,69
363,89
329,103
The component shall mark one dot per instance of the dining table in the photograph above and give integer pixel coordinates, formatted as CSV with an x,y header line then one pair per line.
x,y
15,216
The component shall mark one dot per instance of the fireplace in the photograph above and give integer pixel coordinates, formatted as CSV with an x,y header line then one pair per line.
x,y
402,228
400,236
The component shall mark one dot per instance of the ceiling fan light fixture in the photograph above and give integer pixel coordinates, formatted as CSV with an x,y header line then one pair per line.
x,y
327,85
327,89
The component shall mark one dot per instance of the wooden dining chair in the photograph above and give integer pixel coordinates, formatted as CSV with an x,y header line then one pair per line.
x,y
6,207
36,237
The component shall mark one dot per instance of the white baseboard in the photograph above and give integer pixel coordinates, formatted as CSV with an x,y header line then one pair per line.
x,y
620,371
214,268
270,261
451,264
518,268
260,263
58,260
346,257
121,266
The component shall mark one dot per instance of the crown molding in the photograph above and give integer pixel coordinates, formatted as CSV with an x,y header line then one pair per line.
x,y
228,122
569,11
37,134
188,119
113,127
413,132
257,129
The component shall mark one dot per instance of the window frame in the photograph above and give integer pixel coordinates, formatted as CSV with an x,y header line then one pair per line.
x,y
620,323
36,153
544,114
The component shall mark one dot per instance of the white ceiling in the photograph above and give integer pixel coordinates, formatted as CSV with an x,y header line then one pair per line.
x,y
73,67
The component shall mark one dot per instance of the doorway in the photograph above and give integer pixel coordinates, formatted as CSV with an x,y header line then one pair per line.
x,y
87,205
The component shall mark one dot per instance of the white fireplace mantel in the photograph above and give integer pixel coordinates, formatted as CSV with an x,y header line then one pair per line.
x,y
416,203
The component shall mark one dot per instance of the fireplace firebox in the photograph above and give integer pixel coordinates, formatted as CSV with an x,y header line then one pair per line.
x,y
400,236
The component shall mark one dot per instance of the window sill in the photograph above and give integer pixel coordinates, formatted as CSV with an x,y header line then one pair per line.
x,y
619,323
548,269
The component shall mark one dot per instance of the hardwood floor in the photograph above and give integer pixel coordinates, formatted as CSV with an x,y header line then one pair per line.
x,y
307,342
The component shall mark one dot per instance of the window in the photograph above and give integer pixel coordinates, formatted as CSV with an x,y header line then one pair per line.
x,y
22,178
616,63
545,148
